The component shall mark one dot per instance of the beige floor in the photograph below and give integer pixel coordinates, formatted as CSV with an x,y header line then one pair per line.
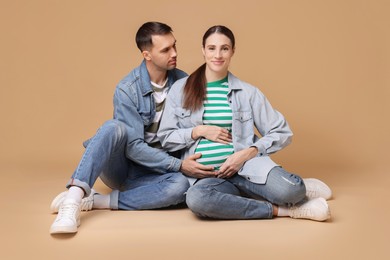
x,y
359,228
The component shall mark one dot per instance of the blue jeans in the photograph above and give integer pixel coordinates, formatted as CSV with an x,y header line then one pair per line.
x,y
238,198
134,186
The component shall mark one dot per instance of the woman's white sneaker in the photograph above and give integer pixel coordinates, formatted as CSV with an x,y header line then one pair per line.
x,y
68,218
314,209
317,189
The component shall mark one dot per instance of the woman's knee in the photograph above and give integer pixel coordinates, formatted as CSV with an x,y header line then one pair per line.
x,y
293,193
289,190
196,199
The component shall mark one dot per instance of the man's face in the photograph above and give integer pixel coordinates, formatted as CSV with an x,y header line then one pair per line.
x,y
162,55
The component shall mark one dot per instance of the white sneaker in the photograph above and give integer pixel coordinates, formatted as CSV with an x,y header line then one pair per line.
x,y
86,203
317,189
314,209
68,218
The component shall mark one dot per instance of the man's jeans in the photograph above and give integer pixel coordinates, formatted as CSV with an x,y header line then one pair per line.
x,y
134,187
238,198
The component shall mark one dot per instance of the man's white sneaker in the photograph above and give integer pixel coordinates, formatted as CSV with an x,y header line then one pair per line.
x,y
86,203
317,189
314,209
68,218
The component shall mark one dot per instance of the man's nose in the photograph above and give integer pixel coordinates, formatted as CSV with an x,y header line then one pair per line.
x,y
174,53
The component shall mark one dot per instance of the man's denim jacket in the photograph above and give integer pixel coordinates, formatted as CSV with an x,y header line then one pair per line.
x,y
250,109
134,105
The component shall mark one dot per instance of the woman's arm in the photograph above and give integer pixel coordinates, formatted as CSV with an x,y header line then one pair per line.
x,y
235,162
175,131
271,124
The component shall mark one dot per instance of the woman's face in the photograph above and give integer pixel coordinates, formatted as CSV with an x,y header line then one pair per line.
x,y
217,52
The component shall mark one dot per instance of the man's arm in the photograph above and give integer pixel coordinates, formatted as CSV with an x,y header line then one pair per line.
x,y
137,149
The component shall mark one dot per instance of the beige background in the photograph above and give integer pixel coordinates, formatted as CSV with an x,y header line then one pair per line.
x,y
324,64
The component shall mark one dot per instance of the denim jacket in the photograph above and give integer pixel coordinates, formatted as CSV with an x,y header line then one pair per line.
x,y
134,105
250,109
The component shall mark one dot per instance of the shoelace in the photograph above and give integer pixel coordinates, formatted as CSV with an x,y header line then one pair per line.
x,y
297,212
312,193
68,210
87,203
308,212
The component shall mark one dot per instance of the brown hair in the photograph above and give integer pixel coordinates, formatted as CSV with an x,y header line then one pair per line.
x,y
195,87
143,37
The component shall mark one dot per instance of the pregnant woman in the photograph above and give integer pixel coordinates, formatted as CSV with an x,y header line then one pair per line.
x,y
210,117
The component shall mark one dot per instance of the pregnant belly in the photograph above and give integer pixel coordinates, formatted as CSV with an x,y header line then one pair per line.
x,y
213,153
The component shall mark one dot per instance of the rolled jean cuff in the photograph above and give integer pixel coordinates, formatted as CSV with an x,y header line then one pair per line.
x,y
114,198
271,210
80,184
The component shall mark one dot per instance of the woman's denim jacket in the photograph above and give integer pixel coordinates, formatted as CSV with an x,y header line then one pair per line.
x,y
250,109
134,105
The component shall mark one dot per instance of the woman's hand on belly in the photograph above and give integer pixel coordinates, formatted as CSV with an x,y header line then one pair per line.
x,y
235,161
212,133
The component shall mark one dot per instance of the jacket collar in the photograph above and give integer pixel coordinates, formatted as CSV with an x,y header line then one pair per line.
x,y
234,82
146,87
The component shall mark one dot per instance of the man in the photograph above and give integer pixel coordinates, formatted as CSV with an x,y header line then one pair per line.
x,y
125,152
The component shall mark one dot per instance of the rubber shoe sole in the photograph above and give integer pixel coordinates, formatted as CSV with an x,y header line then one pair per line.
x,y
67,220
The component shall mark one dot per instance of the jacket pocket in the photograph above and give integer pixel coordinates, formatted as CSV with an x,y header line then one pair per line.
x,y
146,118
183,117
243,124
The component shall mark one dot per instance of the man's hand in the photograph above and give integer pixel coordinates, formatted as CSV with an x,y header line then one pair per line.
x,y
235,161
192,168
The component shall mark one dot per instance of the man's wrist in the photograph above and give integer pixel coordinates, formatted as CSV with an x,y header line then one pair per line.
x,y
176,165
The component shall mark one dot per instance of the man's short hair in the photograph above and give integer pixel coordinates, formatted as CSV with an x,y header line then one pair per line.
x,y
143,38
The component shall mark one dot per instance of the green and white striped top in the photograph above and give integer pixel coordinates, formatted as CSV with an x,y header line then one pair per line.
x,y
217,112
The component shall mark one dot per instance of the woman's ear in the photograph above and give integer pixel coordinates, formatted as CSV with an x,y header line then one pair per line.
x,y
203,52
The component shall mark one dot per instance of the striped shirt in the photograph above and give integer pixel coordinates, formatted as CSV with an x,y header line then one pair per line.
x,y
217,112
159,95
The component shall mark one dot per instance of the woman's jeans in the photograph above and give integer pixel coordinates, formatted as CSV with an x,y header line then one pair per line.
x,y
134,186
238,198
